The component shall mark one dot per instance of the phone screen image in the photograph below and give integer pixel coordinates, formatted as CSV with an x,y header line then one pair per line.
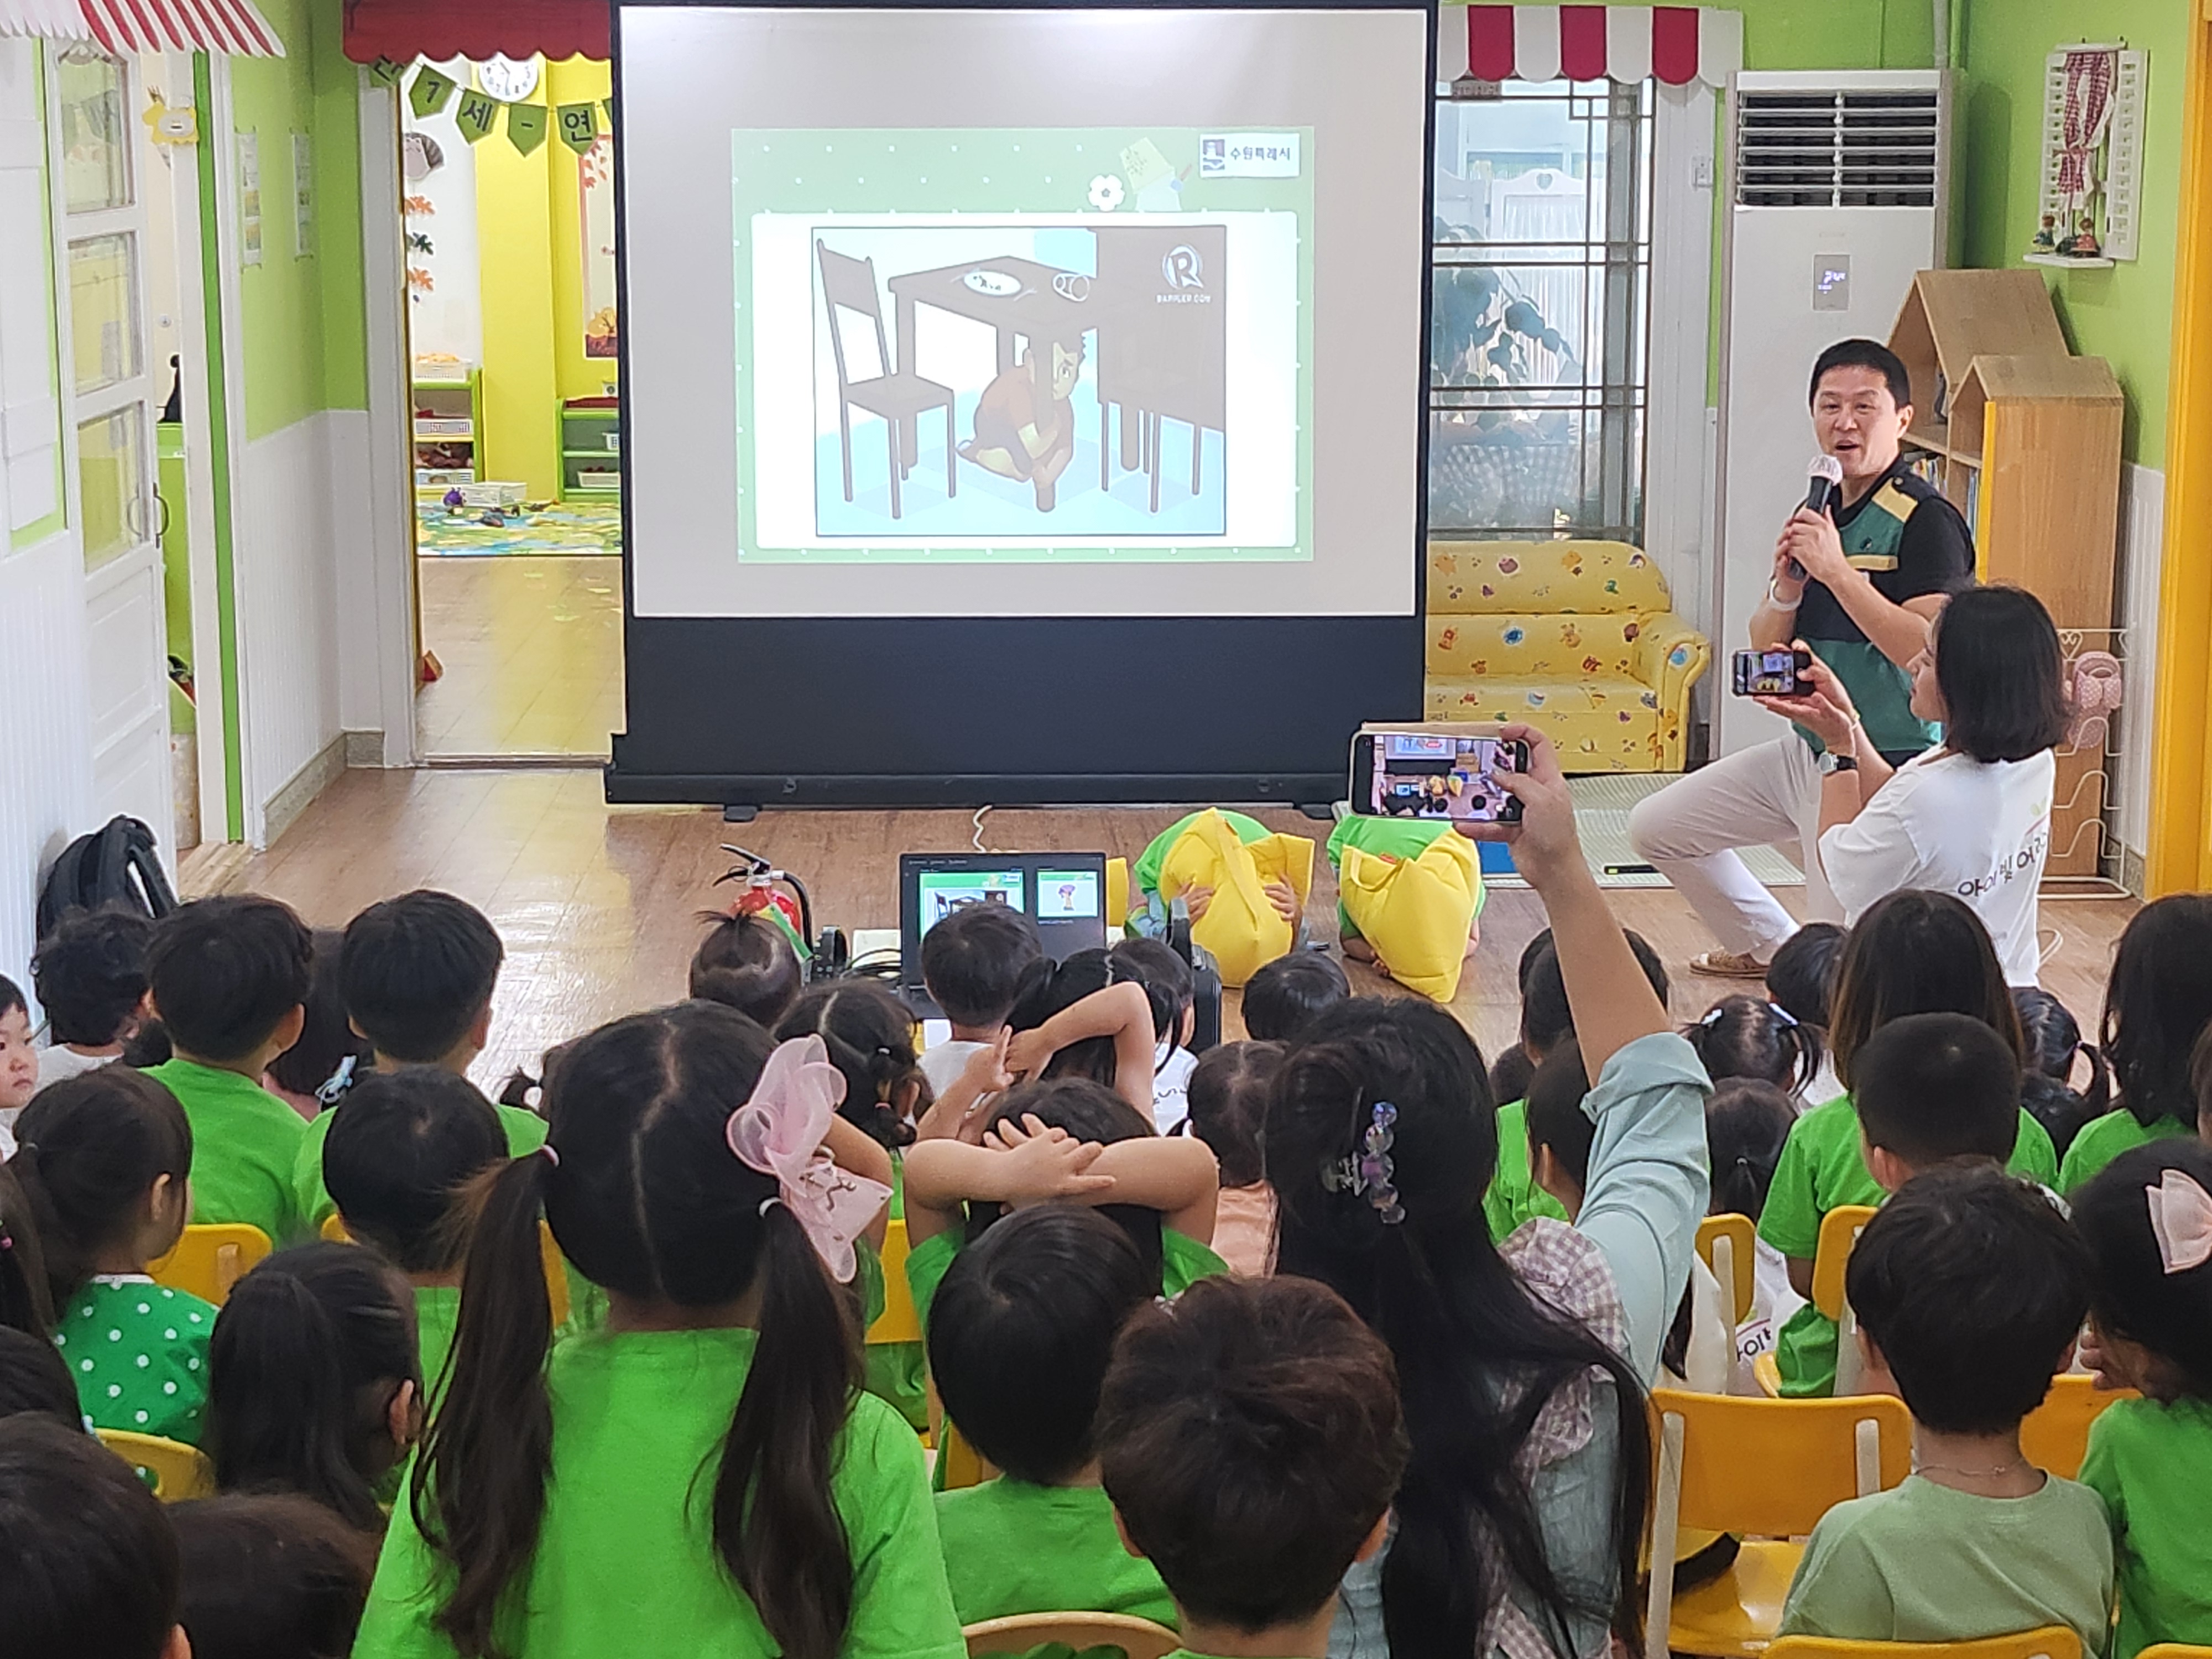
x,y
1766,674
1429,774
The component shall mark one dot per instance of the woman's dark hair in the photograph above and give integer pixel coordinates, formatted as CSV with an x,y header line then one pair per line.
x,y
2132,1295
90,974
2159,999
33,1377
1090,1112
2046,1092
272,1576
1748,1036
870,1036
648,1202
306,1356
92,1565
1478,1355
1917,952
328,1040
747,963
1229,1091
90,1149
2001,673
1802,978
1022,1329
401,1151
1746,1123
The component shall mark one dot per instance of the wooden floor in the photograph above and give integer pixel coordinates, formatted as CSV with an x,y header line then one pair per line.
x,y
598,904
532,650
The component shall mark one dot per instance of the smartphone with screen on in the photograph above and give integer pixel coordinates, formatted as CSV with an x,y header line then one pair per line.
x,y
1440,773
1780,673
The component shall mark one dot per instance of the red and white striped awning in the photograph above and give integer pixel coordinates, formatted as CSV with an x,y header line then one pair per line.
x,y
233,28
1677,44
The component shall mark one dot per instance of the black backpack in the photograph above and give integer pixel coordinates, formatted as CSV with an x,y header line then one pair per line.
x,y
115,866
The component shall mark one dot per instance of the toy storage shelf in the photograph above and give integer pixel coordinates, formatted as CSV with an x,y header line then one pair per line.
x,y
590,449
448,427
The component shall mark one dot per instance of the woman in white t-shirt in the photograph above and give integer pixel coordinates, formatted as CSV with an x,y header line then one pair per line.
x,y
1971,816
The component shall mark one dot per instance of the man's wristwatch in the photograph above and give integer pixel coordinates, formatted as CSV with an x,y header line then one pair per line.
x,y
1832,762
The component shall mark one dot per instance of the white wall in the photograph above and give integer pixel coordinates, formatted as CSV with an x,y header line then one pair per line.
x,y
2142,530
448,318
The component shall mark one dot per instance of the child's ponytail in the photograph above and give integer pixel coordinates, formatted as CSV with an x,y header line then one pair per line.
x,y
775,1527
478,1490
25,1304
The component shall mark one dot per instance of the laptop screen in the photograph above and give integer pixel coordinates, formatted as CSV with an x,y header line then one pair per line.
x,y
1064,893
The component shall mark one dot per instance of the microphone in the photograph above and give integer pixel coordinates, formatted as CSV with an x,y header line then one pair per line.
x,y
1824,484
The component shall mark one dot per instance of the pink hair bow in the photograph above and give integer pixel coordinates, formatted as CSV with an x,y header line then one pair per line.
x,y
2181,1219
779,1132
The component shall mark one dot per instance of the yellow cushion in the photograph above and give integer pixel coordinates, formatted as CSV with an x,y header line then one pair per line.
x,y
1475,578
1415,912
1240,924
1604,723
1562,644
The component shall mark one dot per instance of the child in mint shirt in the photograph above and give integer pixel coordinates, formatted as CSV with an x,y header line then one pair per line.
x,y
1251,1443
1019,1336
106,1160
230,977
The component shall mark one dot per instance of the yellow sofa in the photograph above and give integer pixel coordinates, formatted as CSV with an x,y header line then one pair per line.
x,y
1577,638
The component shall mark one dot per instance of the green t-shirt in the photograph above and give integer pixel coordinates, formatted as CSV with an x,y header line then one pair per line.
x,y
2104,1138
1144,873
1184,1262
437,1314
1820,1170
246,1143
1393,838
625,1560
1013,1547
1514,1196
2150,1463
1925,1562
525,1133
138,1352
896,1373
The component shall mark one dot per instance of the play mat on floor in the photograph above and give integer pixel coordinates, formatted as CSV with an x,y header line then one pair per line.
x,y
559,527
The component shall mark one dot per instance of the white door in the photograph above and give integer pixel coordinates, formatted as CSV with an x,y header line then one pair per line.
x,y
116,389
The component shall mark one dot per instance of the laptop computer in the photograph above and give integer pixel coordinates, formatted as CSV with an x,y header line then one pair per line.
x,y
1064,893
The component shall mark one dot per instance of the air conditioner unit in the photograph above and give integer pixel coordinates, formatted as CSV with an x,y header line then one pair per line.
x,y
1838,190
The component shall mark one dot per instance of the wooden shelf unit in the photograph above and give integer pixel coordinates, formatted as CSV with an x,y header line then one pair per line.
x,y
590,469
2028,449
446,426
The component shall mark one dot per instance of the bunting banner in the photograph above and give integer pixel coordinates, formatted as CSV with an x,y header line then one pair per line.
x,y
580,126
475,115
526,126
429,92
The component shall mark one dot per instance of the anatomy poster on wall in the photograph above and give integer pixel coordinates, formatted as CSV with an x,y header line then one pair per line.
x,y
595,183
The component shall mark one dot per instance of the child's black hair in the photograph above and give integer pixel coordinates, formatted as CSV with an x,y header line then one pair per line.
x,y
306,1356
226,971
1746,1122
1511,1073
1228,1091
400,1148
1556,1118
1972,1286
746,963
2157,1002
1546,1018
35,1378
270,1576
417,971
1748,1036
1250,1439
328,1040
1802,978
89,1150
1021,1330
1053,988
147,1046
1931,1087
90,974
2046,1093
1916,952
27,1301
870,1036
92,1564
2132,1294
1283,997
1089,1111
1170,986
648,1201
11,997
976,962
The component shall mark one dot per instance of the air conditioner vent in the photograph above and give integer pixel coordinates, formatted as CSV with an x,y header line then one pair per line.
x,y
1836,149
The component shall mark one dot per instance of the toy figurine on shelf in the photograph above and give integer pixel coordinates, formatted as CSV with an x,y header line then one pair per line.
x,y
2083,245
455,501
2046,236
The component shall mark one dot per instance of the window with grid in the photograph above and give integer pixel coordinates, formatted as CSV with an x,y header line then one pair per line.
x,y
1540,266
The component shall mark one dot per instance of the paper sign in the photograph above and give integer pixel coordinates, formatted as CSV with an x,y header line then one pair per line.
x,y
249,198
303,195
475,114
1247,155
526,126
429,93
580,126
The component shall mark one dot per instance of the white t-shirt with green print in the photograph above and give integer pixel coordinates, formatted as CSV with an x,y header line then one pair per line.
x,y
138,1352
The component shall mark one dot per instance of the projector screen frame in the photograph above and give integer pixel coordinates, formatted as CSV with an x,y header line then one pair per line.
x,y
894,711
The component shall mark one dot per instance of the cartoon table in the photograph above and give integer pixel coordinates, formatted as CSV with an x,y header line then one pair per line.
x,y
1035,310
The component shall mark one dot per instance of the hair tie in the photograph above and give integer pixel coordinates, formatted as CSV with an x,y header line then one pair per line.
x,y
336,1084
1781,1013
1368,1169
779,1133
2181,1221
1711,1016
545,1150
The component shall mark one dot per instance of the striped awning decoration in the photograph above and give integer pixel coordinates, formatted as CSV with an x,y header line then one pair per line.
x,y
1676,43
234,29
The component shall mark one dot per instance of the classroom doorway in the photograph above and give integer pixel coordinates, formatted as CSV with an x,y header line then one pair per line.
x,y
515,405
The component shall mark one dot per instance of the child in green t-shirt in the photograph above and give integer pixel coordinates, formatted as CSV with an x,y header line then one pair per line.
x,y
1019,1335
2148,1222
104,1164
1251,1443
395,1162
1969,1288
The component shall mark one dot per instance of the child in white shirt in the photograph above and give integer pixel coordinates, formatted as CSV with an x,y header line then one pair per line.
x,y
976,964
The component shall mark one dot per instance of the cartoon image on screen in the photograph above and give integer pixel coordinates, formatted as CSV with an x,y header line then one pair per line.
x,y
1427,774
1066,896
945,891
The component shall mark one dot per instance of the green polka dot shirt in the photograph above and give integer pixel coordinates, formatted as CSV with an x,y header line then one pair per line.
x,y
138,1352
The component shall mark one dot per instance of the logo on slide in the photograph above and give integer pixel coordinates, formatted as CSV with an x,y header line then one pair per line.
x,y
1180,267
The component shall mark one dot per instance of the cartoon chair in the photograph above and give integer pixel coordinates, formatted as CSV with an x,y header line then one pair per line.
x,y
901,398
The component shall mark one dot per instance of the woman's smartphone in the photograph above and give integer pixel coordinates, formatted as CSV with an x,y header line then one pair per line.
x,y
1441,773
1782,673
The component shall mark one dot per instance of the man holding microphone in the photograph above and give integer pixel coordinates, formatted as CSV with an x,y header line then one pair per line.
x,y
1856,585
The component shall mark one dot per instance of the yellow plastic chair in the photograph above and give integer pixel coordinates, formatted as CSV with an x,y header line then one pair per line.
x,y
2055,1436
1729,1245
1839,1233
2054,1642
1117,897
179,1472
2174,1650
333,1231
1023,1632
961,1462
557,1276
208,1261
900,1321
1769,1469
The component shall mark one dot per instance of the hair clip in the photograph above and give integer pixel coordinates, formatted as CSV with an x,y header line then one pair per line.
x,y
779,1132
1369,1171
545,1148
2181,1221
1711,1016
336,1084
1781,1013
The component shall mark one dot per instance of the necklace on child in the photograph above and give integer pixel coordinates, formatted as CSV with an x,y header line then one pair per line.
x,y
2013,1468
